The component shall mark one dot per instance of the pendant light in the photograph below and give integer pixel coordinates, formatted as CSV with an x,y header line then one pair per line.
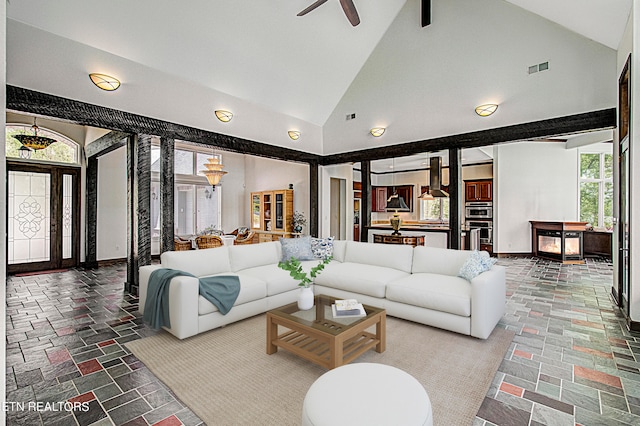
x,y
396,204
426,195
214,171
34,142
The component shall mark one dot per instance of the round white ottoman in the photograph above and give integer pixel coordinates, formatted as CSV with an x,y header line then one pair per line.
x,y
366,394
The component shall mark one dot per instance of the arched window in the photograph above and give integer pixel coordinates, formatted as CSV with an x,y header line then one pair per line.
x,y
64,150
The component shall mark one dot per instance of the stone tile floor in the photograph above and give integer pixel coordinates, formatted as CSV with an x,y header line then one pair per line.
x,y
571,362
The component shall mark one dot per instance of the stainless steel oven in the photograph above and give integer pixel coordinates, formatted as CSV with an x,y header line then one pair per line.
x,y
479,210
485,227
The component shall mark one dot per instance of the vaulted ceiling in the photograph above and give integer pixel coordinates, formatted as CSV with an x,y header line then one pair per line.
x,y
178,61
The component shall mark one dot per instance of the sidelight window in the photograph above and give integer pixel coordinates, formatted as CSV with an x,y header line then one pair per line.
x,y
596,189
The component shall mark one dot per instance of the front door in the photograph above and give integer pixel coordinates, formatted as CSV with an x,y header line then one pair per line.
x,y
43,217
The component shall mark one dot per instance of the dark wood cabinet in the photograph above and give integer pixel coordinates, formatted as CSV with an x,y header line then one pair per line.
x,y
381,193
379,199
479,190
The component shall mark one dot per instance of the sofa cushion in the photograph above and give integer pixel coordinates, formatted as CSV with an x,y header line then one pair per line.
x,y
277,280
245,256
475,265
339,248
250,289
439,260
198,262
363,279
391,256
298,248
433,291
322,247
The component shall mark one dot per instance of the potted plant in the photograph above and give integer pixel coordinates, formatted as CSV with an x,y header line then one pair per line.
x,y
293,265
298,222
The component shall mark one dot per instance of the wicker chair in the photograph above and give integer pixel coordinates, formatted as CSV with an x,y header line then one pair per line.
x,y
181,245
245,238
208,241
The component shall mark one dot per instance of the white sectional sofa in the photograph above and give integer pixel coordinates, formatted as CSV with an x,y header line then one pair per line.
x,y
418,284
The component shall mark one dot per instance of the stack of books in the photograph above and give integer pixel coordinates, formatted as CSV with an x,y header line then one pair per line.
x,y
348,308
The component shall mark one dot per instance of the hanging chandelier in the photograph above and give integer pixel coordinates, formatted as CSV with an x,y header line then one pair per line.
x,y
214,171
34,142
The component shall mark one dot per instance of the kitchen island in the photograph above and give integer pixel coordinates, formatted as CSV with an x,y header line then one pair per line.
x,y
434,235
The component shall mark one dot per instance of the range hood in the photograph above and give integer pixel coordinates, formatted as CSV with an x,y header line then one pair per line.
x,y
435,175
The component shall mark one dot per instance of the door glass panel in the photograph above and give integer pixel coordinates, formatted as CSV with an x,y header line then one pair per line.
x,y
29,217
207,202
184,210
67,216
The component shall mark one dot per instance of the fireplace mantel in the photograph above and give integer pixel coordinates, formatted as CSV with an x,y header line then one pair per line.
x,y
558,240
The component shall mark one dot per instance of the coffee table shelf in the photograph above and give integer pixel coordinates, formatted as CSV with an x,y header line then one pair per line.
x,y
315,337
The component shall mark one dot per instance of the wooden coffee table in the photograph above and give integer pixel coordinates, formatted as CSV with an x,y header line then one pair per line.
x,y
317,336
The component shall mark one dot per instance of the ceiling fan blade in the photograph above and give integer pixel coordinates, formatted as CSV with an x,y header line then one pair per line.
x,y
351,12
313,6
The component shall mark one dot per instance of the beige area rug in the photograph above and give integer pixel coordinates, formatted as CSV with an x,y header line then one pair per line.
x,y
226,377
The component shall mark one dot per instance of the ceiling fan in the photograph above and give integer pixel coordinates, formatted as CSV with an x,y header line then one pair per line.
x,y
352,14
347,5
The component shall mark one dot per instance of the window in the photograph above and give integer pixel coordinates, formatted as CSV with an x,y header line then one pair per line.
x,y
434,210
64,150
596,189
196,205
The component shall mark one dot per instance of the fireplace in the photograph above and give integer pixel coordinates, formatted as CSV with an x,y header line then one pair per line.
x,y
560,241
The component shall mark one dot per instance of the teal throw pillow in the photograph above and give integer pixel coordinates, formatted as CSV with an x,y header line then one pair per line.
x,y
322,247
475,265
299,248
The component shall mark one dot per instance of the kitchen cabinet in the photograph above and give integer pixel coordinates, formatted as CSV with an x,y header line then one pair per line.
x,y
382,193
411,240
478,190
379,199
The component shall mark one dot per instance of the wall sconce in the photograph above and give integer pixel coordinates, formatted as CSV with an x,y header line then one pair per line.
x,y
105,82
486,109
294,134
224,116
377,131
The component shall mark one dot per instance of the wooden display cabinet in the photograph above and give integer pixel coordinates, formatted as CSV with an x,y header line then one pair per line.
x,y
272,214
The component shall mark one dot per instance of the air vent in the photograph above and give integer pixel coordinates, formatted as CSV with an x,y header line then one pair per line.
x,y
351,116
539,67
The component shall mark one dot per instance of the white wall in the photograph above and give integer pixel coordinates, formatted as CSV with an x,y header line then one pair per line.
x,y
112,205
532,181
234,202
3,195
264,174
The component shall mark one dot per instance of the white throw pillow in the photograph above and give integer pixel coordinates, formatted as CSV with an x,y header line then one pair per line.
x,y
475,265
299,248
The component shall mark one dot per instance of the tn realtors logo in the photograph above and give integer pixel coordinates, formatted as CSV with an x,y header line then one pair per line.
x,y
44,406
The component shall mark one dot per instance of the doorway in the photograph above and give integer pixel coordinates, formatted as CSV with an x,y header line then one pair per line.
x,y
43,217
337,220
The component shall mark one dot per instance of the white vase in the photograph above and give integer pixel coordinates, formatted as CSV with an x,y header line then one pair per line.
x,y
305,299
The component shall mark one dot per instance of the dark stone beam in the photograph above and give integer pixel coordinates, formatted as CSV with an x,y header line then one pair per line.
x,y
365,200
590,121
138,208
29,101
91,222
313,198
105,144
456,197
167,179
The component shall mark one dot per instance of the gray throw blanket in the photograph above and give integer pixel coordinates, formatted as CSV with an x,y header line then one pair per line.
x,y
221,290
